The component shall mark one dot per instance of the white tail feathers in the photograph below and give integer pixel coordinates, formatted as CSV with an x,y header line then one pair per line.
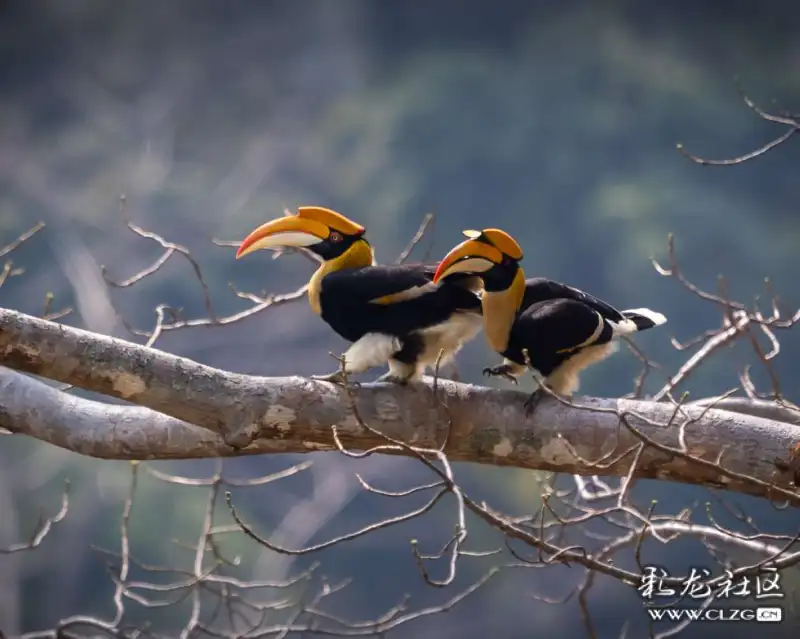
x,y
639,319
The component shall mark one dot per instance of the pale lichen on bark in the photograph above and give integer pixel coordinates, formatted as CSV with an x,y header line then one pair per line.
x,y
504,448
128,385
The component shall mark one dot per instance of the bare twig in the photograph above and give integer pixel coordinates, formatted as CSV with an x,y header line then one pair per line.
x,y
792,123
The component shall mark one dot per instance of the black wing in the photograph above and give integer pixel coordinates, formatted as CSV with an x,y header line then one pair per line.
x,y
469,281
395,300
539,289
550,330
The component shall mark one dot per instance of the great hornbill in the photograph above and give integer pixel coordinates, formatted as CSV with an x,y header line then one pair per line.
x,y
562,330
393,314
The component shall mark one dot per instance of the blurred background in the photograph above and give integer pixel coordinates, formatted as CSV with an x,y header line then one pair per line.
x,y
555,121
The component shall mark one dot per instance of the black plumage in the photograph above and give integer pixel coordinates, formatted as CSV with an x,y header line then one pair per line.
x,y
551,327
556,323
540,289
395,314
392,314
348,303
553,320
550,330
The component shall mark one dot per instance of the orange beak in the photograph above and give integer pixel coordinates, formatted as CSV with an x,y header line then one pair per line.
x,y
290,231
471,256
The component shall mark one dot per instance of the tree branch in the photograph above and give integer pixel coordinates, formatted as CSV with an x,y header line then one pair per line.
x,y
779,411
97,429
240,414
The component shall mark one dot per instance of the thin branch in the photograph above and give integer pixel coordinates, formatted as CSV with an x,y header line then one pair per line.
x,y
790,121
43,527
15,244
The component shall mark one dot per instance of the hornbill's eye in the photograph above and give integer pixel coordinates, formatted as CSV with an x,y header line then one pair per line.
x,y
335,237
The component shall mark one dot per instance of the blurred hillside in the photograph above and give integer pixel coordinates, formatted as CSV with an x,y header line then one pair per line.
x,y
558,124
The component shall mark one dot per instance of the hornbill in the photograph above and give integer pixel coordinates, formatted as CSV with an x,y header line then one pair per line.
x,y
555,329
393,314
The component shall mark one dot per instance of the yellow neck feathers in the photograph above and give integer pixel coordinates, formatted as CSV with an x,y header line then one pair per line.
x,y
358,255
500,311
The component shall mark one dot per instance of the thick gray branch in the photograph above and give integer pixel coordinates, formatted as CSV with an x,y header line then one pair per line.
x,y
293,414
112,431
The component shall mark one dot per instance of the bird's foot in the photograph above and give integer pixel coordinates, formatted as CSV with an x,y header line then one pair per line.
x,y
504,371
391,378
533,401
337,377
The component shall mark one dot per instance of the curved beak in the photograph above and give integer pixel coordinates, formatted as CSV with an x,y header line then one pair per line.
x,y
470,256
290,231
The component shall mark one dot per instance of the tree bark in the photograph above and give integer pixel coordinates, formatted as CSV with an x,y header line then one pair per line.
x,y
188,410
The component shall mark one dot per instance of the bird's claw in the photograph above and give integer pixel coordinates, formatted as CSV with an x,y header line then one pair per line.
x,y
337,377
389,378
503,371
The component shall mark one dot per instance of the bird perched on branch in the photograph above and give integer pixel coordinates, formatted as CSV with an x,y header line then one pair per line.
x,y
393,314
554,329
